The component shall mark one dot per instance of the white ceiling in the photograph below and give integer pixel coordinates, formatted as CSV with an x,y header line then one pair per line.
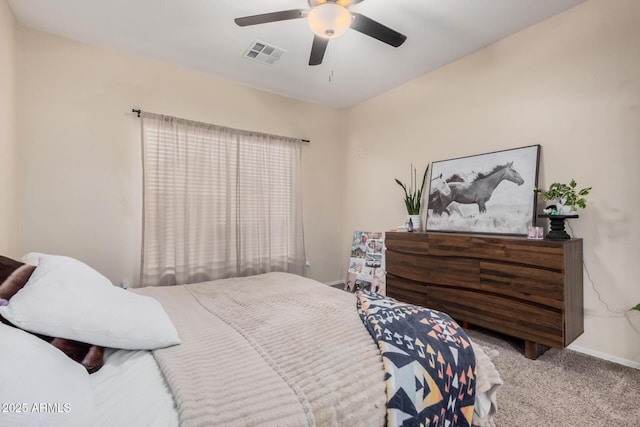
x,y
201,34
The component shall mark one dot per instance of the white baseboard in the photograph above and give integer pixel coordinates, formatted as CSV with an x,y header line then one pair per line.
x,y
605,356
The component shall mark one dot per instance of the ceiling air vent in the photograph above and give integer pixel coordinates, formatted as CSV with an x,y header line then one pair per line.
x,y
263,52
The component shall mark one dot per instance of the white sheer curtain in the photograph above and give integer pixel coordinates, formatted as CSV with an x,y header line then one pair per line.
x,y
218,202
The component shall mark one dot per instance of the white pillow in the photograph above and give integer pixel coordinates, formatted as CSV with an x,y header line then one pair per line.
x,y
68,299
40,385
32,258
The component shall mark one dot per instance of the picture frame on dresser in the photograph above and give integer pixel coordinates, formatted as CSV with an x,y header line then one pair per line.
x,y
489,193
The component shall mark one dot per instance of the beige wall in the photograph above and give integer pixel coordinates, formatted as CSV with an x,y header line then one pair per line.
x,y
80,145
8,134
570,84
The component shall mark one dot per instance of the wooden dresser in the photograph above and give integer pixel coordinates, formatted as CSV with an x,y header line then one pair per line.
x,y
528,289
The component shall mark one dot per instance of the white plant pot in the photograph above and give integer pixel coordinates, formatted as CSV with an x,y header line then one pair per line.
x,y
415,220
564,209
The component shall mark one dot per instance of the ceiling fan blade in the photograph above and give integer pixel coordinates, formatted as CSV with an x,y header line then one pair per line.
x,y
283,15
317,50
376,30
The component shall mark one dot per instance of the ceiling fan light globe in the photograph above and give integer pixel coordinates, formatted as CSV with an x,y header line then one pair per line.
x,y
329,20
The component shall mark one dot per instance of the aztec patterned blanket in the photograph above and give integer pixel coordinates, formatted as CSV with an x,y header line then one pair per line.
x,y
428,360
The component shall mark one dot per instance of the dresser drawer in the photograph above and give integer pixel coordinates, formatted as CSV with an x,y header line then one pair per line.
x,y
443,271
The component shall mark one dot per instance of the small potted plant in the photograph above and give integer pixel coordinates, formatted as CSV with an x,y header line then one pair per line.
x,y
567,197
413,197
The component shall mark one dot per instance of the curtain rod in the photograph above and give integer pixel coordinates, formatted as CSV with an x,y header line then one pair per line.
x,y
138,111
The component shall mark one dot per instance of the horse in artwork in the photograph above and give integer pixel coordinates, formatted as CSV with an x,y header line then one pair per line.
x,y
440,195
479,190
440,185
439,189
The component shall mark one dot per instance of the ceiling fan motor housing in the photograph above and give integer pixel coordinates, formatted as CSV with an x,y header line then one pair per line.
x,y
345,3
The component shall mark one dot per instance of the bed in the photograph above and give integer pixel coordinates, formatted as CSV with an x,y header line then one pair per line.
x,y
273,349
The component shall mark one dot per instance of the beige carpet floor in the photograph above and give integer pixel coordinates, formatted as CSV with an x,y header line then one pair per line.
x,y
561,388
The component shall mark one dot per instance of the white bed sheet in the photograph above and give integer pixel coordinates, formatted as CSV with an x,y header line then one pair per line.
x,y
130,390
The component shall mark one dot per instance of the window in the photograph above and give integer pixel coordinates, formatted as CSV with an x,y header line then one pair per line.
x,y
218,202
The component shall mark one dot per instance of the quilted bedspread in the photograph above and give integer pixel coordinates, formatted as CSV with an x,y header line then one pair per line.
x,y
428,359
270,350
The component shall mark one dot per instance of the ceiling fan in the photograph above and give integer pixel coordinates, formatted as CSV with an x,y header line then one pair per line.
x,y
329,19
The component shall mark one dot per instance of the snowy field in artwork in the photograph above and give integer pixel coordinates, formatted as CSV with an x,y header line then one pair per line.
x,y
505,219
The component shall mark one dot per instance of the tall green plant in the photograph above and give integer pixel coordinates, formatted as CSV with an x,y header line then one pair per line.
x,y
413,194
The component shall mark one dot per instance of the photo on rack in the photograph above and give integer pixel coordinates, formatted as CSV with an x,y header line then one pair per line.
x,y
366,263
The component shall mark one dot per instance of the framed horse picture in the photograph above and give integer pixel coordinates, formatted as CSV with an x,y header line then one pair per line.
x,y
486,193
